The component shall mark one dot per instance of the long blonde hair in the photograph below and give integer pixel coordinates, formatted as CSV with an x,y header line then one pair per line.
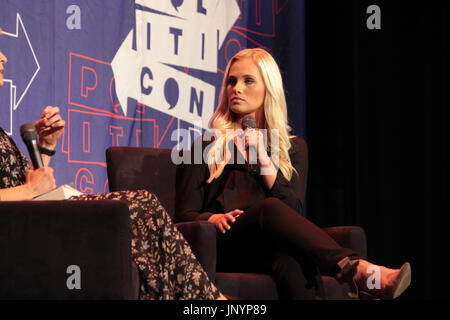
x,y
274,116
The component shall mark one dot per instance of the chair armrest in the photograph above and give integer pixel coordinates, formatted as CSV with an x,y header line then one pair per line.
x,y
201,236
352,237
39,240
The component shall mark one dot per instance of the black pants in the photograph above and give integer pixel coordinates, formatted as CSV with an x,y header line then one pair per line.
x,y
272,237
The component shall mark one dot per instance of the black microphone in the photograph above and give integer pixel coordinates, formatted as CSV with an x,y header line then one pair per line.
x,y
249,122
30,136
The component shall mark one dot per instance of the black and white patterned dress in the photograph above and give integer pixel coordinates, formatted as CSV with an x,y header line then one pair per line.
x,y
13,164
168,269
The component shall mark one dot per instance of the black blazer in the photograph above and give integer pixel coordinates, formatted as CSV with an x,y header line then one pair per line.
x,y
236,187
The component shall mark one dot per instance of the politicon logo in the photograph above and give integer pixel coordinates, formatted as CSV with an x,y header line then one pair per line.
x,y
170,35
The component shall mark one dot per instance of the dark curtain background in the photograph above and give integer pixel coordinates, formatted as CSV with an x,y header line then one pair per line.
x,y
377,119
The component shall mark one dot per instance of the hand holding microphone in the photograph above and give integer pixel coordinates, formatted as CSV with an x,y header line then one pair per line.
x,y
29,137
41,179
249,122
256,150
255,146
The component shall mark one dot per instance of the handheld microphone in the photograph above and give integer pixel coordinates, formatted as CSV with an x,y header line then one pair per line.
x,y
249,122
29,137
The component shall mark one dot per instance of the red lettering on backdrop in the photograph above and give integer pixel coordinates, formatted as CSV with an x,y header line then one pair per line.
x,y
83,178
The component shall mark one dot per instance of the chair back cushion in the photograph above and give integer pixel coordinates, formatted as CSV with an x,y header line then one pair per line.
x,y
133,168
65,250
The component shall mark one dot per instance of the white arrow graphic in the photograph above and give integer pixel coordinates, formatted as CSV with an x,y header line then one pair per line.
x,y
16,35
143,72
125,66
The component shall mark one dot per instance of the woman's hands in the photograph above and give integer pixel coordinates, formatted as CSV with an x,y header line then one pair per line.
x,y
221,220
40,181
37,182
50,127
254,138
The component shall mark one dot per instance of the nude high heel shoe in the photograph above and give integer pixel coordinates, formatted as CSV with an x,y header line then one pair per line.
x,y
369,281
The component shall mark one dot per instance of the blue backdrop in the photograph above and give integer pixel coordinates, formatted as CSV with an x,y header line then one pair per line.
x,y
131,73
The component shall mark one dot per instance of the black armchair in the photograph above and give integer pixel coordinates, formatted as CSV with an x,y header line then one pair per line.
x,y
152,169
66,250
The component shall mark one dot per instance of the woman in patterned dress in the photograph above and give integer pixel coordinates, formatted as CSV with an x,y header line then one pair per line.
x,y
164,275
